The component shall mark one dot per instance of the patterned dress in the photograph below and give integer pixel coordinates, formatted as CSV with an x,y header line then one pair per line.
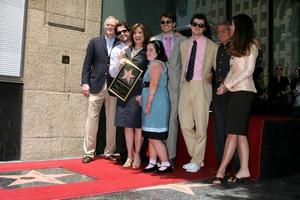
x,y
155,124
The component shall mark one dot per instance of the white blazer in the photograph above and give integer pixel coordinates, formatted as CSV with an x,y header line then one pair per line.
x,y
240,75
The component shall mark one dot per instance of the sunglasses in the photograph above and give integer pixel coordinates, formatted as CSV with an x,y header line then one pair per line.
x,y
166,22
122,31
194,24
279,68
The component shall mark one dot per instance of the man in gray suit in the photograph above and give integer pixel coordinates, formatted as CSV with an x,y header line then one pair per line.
x,y
94,87
171,42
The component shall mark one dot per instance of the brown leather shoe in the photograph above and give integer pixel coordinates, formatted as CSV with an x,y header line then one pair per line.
x,y
87,159
111,157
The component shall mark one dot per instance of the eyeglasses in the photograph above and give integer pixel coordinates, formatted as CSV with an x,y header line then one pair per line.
x,y
122,31
166,22
194,24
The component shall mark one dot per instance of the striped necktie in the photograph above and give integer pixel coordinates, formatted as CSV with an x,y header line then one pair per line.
x,y
190,69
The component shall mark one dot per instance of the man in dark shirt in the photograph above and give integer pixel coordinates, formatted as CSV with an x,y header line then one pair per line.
x,y
279,90
220,101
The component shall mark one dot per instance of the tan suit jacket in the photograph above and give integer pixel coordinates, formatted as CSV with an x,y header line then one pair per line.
x,y
209,62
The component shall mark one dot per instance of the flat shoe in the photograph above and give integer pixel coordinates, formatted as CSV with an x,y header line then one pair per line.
x,y
167,170
152,169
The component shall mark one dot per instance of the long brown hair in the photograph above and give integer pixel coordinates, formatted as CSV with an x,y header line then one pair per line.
x,y
243,36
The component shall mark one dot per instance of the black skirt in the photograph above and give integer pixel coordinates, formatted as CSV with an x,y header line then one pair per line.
x,y
237,112
155,135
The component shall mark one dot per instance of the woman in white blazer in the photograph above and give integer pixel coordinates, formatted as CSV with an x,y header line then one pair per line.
x,y
240,86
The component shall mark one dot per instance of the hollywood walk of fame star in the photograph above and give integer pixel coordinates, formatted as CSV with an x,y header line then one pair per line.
x,y
128,75
180,187
35,176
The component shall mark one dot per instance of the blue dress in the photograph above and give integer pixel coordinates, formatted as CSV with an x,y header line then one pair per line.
x,y
155,124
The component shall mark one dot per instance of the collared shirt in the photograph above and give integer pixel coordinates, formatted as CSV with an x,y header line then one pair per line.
x,y
223,64
164,40
114,66
109,44
199,61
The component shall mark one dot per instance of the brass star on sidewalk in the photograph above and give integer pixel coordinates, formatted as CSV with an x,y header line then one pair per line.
x,y
128,75
35,176
180,187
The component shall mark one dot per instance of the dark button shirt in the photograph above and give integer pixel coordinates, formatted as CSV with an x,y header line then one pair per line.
x,y
223,64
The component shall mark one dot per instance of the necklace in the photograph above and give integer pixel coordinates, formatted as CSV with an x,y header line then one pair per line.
x,y
134,51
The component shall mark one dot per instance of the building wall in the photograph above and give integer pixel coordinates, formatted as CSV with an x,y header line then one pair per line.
x,y
54,109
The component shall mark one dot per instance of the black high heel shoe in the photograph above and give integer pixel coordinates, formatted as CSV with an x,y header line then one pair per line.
x,y
235,179
154,168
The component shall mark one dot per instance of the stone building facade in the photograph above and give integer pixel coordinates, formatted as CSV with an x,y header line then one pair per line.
x,y
54,110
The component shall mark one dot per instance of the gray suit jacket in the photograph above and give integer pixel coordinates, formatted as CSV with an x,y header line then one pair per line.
x,y
173,63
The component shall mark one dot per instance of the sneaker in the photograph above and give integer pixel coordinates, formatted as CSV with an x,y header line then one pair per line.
x,y
186,166
193,168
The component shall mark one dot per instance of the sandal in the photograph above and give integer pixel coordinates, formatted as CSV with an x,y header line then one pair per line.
x,y
235,179
219,180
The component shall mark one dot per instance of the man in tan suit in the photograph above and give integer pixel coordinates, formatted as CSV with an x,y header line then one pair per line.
x,y
198,55
171,42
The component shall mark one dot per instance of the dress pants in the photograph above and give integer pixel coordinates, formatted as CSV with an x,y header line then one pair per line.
x,y
219,106
193,113
171,142
95,102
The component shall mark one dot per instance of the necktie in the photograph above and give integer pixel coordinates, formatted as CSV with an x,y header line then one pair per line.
x,y
168,46
190,69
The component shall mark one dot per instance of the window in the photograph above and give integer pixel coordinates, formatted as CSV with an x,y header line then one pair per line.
x,y
237,7
11,43
263,16
263,32
246,5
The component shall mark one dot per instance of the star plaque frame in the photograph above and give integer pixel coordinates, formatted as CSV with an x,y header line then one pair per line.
x,y
126,79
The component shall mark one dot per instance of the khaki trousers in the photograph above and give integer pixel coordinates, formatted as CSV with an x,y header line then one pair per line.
x,y
91,128
193,113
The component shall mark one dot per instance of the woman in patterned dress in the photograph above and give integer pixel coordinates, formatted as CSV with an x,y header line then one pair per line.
x,y
156,107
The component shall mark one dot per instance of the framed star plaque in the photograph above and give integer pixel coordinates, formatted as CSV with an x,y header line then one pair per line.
x,y
126,79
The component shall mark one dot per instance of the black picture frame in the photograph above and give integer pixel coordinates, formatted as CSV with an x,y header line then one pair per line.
x,y
125,81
